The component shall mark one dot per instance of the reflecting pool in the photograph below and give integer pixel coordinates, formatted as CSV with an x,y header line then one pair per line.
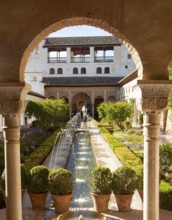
x,y
81,162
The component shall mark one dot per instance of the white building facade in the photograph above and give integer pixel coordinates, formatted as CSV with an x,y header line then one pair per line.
x,y
83,70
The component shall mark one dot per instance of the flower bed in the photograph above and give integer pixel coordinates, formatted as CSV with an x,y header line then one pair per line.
x,y
121,151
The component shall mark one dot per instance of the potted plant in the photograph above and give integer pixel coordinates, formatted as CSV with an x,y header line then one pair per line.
x,y
38,187
24,179
60,187
101,187
124,183
139,176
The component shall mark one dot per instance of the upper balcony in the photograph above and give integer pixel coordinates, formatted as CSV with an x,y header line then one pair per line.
x,y
97,59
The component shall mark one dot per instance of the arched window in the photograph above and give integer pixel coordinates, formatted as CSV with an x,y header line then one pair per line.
x,y
83,70
99,70
59,71
107,70
52,71
75,70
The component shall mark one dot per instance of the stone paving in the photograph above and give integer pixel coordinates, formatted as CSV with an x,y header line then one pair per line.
x,y
105,157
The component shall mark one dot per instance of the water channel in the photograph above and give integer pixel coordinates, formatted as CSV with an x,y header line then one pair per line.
x,y
81,162
75,144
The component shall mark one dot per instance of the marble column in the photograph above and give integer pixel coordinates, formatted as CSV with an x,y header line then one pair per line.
x,y
12,104
135,117
152,100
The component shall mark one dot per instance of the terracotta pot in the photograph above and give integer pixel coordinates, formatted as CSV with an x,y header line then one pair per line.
x,y
38,201
61,202
100,202
123,202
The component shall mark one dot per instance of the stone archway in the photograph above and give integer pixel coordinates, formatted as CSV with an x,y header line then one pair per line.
x,y
80,101
118,14
74,22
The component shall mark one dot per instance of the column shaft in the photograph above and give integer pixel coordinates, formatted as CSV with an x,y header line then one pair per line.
x,y
11,133
151,165
135,117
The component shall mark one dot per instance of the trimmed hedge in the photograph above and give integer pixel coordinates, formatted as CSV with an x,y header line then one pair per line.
x,y
41,152
121,151
165,196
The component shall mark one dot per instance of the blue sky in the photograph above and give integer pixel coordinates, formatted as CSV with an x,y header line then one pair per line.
x,y
83,30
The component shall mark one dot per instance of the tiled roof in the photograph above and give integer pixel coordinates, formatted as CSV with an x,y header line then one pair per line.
x,y
81,81
84,41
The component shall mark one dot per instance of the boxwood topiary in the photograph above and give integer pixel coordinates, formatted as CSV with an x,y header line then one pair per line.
x,y
24,176
124,180
101,180
165,196
38,180
60,181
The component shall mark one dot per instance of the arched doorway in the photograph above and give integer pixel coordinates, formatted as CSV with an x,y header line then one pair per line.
x,y
81,102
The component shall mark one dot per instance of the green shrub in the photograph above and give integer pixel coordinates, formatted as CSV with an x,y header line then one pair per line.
x,y
127,157
140,177
41,152
165,155
124,180
24,176
60,181
38,180
165,196
101,180
96,123
122,152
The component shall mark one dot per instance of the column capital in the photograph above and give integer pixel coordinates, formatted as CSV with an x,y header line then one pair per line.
x,y
12,98
152,95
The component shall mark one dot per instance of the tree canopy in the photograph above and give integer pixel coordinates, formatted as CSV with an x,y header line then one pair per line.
x,y
115,112
48,111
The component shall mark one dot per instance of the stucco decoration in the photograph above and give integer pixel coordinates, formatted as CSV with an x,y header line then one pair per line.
x,y
12,100
73,22
152,95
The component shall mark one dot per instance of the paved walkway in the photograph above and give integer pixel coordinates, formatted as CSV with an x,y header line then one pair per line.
x,y
105,157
